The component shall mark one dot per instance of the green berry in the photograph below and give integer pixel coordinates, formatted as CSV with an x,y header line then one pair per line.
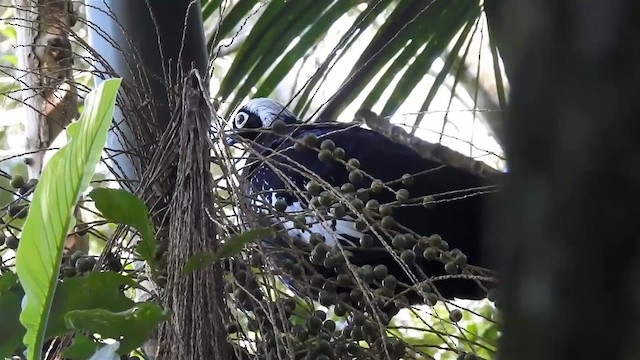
x,y
402,195
279,126
366,241
17,181
430,254
338,153
363,194
451,268
355,176
385,210
347,188
357,204
232,328
325,155
407,179
298,146
387,222
377,186
372,204
12,242
327,145
408,256
310,140
455,315
14,209
390,282
281,205
338,211
361,225
313,187
399,242
380,271
83,265
353,164
429,201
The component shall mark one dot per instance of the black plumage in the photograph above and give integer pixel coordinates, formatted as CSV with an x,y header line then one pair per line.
x,y
442,200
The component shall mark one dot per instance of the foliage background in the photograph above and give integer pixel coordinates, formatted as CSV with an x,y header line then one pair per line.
x,y
441,79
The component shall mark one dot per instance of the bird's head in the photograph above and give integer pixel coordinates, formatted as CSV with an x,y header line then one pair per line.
x,y
261,113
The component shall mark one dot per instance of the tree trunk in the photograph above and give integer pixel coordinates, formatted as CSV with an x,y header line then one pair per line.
x,y
45,63
570,212
144,46
45,70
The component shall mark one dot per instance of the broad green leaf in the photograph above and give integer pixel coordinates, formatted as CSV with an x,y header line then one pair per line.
x,y
275,42
11,331
66,175
449,22
237,14
229,248
208,7
81,348
267,23
388,41
122,207
131,327
453,61
94,290
362,22
316,31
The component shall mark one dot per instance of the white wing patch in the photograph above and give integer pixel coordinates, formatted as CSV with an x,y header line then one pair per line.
x,y
324,228
332,231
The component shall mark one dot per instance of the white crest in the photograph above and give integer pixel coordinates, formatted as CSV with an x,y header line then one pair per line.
x,y
267,110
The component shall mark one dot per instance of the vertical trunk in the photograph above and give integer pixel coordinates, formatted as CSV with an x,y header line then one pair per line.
x,y
145,47
45,69
45,62
571,236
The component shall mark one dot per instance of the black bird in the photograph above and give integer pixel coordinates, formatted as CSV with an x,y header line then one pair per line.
x,y
431,216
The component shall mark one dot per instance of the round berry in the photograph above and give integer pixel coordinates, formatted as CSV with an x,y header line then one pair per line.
x,y
327,145
455,315
310,140
17,181
325,155
407,179
279,126
355,176
338,153
281,205
12,242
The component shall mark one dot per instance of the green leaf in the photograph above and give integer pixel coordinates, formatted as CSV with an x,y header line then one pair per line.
x,y
95,290
315,32
8,281
235,16
81,348
66,175
253,46
452,60
449,22
122,207
362,22
11,331
131,327
229,248
209,7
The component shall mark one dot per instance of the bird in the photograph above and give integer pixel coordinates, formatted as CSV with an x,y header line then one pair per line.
x,y
408,225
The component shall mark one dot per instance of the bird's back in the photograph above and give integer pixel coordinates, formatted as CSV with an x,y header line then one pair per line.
x,y
455,208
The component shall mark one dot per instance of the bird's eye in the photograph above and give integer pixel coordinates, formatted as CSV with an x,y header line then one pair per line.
x,y
241,120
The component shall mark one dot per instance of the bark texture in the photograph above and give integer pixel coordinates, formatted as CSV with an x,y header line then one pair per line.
x,y
45,64
570,214
196,329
